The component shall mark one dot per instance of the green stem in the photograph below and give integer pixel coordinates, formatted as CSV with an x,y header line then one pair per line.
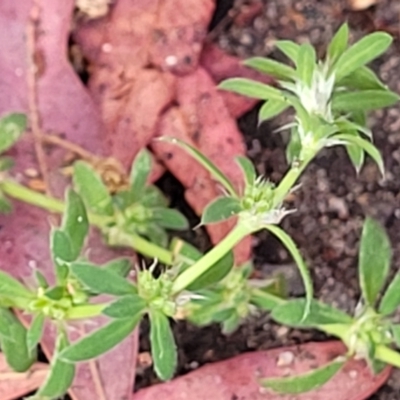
x,y
208,260
85,311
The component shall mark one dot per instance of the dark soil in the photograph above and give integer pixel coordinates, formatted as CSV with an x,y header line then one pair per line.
x,y
332,201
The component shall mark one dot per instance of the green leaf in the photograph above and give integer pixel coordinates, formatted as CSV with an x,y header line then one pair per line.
x,y
356,155
365,100
305,64
391,298
362,78
101,340
250,88
293,148
101,280
169,218
163,347
55,293
361,53
369,148
140,171
156,234
247,167
35,332
289,49
291,313
339,42
62,253
215,273
215,172
374,260
126,307
303,383
271,109
395,328
220,209
304,272
119,266
184,254
91,188
153,197
61,374
10,287
12,126
5,204
264,300
15,350
6,163
271,67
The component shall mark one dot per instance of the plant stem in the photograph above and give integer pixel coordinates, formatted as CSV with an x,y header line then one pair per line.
x,y
208,260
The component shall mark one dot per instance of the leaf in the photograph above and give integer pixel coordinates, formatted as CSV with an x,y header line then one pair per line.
x,y
140,171
374,260
215,273
61,373
215,172
264,300
35,331
305,64
10,287
303,383
271,109
101,280
12,126
91,188
391,298
126,307
395,328
163,347
289,48
247,167
271,67
369,148
304,272
170,219
356,155
293,148
365,100
100,341
118,266
291,313
339,42
6,163
361,53
362,78
184,254
250,88
156,234
220,209
18,357
5,205
75,223
62,253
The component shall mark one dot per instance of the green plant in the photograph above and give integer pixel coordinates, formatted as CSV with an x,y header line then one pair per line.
x,y
330,99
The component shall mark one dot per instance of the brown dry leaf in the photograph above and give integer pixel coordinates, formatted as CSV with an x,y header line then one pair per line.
x,y
16,384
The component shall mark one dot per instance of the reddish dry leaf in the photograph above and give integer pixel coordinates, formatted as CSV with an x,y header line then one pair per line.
x,y
15,384
236,378
64,106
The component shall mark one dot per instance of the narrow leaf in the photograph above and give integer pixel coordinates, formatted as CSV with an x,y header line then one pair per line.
x,y
10,287
140,171
356,155
294,146
391,298
126,307
215,172
374,260
271,109
361,53
365,100
101,280
169,218
291,314
339,42
35,332
100,341
163,347
184,254
362,78
12,126
305,64
271,67
304,272
91,188
247,167
250,88
5,205
61,374
395,328
289,49
220,209
119,266
303,383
